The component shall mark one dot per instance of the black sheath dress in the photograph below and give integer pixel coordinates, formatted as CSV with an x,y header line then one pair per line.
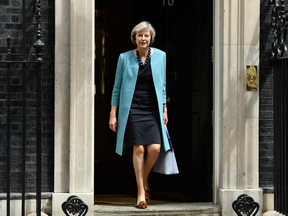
x,y
143,125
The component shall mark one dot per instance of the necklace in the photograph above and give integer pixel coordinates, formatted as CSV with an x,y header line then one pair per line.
x,y
139,59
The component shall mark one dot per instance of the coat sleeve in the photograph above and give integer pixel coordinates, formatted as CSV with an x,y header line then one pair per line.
x,y
117,82
164,79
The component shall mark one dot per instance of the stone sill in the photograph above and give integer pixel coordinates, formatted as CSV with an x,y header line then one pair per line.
x,y
268,190
44,195
175,209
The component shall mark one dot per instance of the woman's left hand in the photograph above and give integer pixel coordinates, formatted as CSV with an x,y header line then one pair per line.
x,y
165,118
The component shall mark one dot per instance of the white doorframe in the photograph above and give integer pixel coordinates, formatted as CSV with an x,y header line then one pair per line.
x,y
217,93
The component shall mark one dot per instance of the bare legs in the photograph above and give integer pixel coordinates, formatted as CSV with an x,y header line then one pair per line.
x,y
138,163
143,167
151,157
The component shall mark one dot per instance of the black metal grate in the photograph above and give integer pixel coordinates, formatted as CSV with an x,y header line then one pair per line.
x,y
280,64
18,87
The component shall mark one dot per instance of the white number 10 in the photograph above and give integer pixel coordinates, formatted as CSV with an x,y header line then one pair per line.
x,y
170,4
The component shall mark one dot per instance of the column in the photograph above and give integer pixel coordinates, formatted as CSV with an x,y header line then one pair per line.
x,y
74,103
238,164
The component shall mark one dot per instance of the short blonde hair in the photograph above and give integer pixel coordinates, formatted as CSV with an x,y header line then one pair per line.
x,y
143,26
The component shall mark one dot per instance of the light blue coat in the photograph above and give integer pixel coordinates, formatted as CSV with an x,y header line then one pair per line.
x,y
124,86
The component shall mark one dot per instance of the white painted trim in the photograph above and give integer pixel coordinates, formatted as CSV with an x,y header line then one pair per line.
x,y
217,93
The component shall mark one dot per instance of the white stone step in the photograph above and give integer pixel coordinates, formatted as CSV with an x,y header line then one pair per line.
x,y
167,209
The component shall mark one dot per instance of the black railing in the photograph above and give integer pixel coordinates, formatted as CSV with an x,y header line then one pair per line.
x,y
279,55
38,45
280,134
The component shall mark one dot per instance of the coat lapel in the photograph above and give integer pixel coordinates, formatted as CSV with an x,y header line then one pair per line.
x,y
134,65
155,61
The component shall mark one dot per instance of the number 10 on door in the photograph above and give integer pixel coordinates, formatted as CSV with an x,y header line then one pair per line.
x,y
170,2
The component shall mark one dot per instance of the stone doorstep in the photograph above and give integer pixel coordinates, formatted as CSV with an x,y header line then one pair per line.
x,y
174,209
163,214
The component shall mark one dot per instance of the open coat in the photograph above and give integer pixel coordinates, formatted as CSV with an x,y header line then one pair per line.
x,y
124,86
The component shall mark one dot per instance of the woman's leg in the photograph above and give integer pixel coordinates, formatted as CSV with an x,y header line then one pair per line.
x,y
138,163
151,157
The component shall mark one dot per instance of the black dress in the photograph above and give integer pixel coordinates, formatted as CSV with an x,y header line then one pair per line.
x,y
143,124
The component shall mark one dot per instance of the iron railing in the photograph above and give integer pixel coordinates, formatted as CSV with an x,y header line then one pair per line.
x,y
280,66
38,45
280,134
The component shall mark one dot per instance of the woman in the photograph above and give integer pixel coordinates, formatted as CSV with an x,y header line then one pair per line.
x,y
140,92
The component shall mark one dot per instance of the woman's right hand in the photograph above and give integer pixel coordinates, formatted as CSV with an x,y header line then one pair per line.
x,y
113,123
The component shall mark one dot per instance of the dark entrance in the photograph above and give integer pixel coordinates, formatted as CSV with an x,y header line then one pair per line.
x,y
184,32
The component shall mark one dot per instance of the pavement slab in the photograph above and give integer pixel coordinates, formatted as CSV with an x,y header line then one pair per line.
x,y
169,209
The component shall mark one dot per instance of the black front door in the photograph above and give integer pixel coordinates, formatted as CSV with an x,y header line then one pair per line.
x,y
184,32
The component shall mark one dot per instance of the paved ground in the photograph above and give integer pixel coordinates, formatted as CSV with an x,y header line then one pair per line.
x,y
199,209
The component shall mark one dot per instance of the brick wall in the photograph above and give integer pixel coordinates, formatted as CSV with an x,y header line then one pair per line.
x,y
11,23
266,91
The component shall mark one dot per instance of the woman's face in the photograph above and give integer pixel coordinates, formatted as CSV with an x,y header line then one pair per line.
x,y
143,39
